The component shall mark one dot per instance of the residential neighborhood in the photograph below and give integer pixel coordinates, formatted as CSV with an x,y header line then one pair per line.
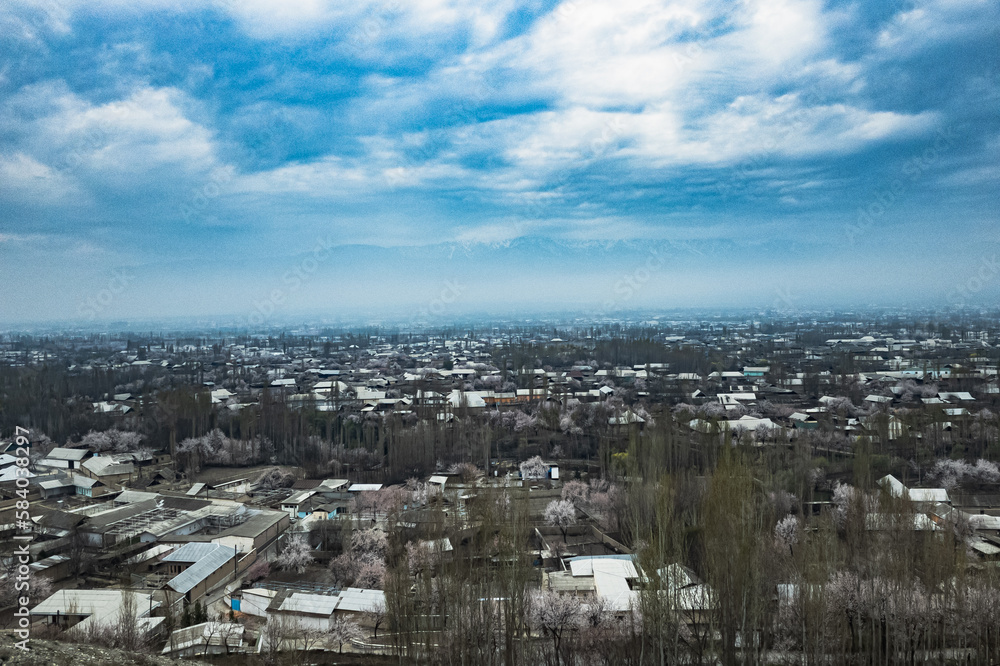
x,y
326,493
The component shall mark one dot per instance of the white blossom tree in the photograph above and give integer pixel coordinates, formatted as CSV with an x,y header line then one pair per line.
x,y
786,533
560,513
576,492
466,471
371,542
533,468
371,574
343,631
553,614
296,555
119,441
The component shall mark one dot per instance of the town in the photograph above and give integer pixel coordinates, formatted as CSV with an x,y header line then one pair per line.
x,y
751,489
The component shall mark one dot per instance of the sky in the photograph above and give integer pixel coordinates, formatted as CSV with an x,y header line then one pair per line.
x,y
258,160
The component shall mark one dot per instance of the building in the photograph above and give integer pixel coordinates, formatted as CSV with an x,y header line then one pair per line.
x,y
81,610
199,568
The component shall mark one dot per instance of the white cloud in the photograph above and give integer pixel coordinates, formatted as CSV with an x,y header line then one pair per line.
x,y
114,143
935,21
27,178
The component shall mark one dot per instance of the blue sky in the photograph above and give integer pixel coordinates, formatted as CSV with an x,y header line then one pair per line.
x,y
257,159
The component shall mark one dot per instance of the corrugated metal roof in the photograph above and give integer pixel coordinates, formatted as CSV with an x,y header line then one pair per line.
x,y
363,487
145,555
62,453
57,483
357,600
84,481
203,568
130,496
313,604
107,465
102,607
192,552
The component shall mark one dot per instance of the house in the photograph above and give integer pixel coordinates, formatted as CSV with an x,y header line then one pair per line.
x,y
920,496
364,487
110,469
199,568
257,533
804,421
53,567
88,487
357,603
221,396
296,505
253,601
105,407
304,611
751,424
611,577
687,594
64,458
628,418
82,611
466,400
737,398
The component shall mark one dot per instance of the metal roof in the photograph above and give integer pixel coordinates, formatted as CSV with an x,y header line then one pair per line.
x,y
129,496
313,604
107,465
208,564
63,453
102,607
258,523
56,483
192,552
357,600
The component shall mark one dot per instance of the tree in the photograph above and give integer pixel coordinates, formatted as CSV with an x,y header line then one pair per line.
x,y
466,471
371,542
553,613
296,555
533,468
560,513
343,631
576,492
786,533
260,570
126,633
371,574
274,633
120,441
344,569
376,614
274,478
39,586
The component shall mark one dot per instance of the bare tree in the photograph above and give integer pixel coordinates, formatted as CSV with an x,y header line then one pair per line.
x,y
376,614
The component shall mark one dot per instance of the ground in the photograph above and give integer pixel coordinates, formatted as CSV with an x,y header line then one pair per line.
x,y
57,653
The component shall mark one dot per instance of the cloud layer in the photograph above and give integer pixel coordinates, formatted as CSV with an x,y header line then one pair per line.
x,y
206,147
